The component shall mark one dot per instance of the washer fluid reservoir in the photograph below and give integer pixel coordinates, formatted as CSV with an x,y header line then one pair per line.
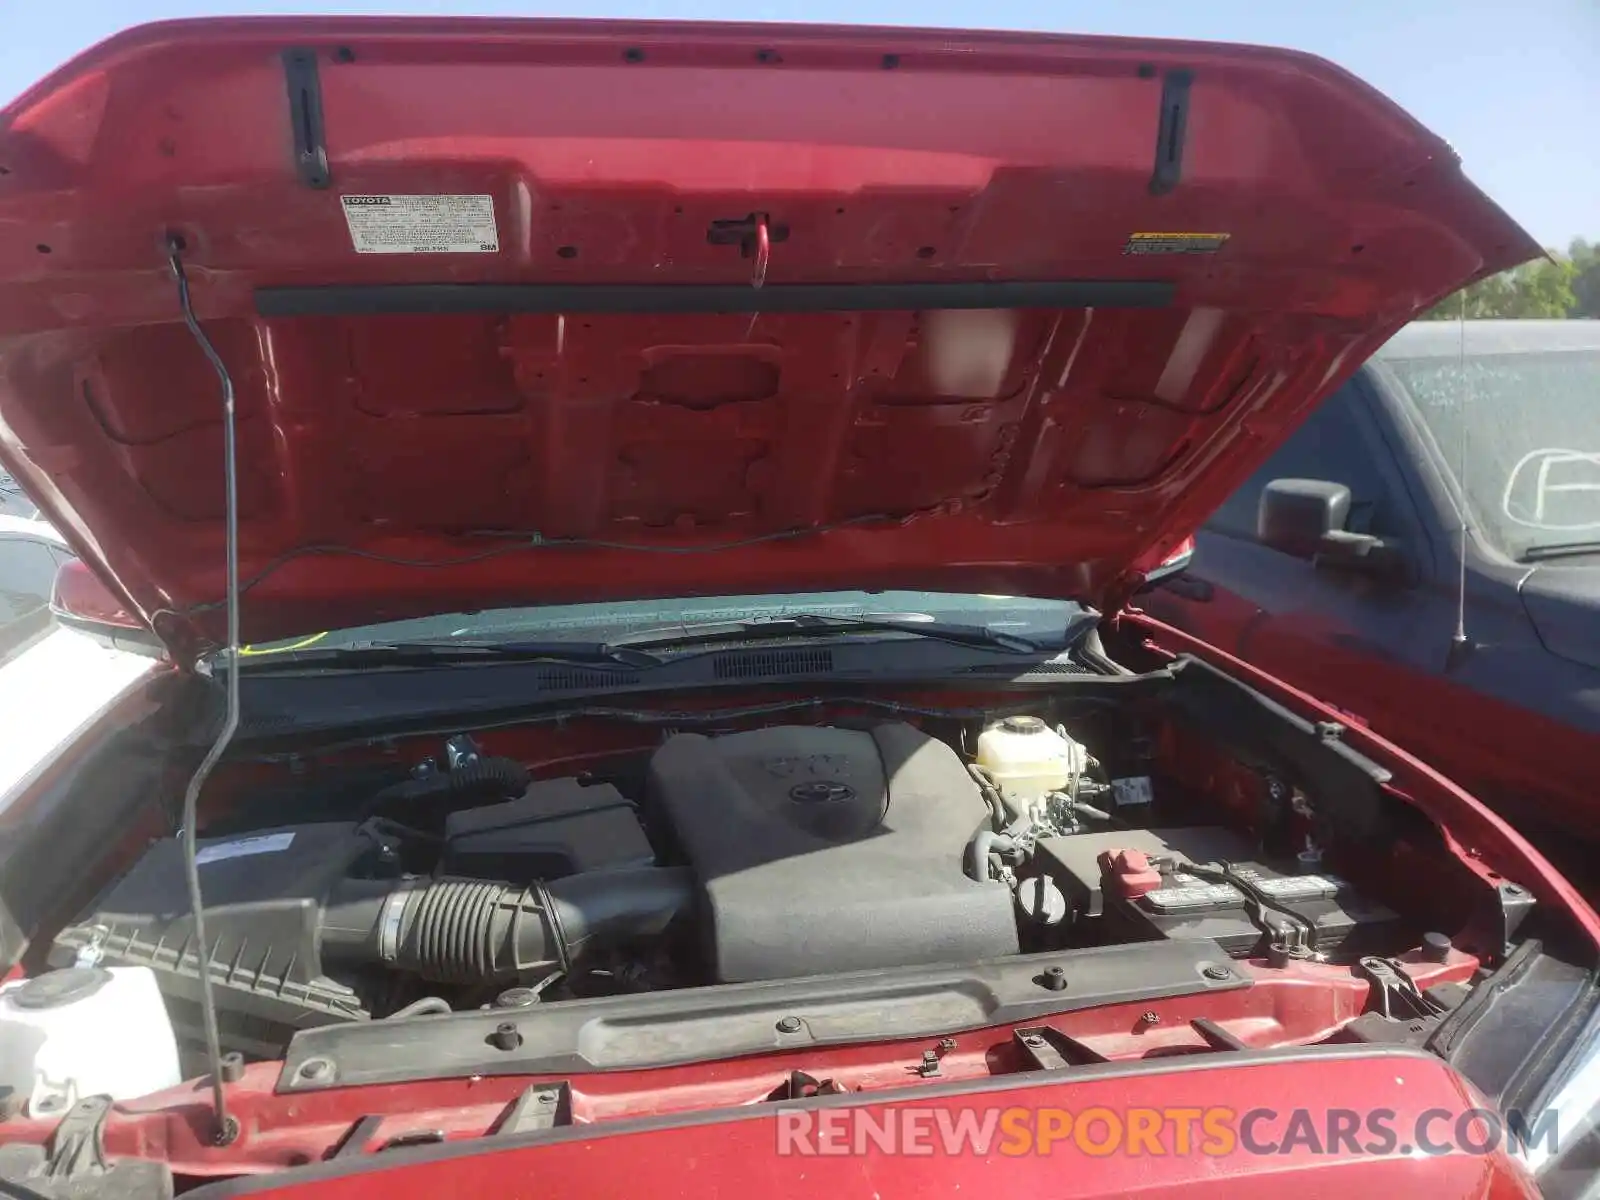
x,y
85,1031
1029,760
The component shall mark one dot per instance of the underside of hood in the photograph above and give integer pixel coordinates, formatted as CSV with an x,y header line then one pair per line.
x,y
521,312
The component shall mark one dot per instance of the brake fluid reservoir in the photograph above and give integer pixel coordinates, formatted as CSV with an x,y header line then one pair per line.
x,y
1028,760
85,1031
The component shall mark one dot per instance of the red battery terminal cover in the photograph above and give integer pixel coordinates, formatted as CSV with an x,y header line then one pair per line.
x,y
1128,873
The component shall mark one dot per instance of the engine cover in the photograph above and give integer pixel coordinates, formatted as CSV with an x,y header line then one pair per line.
x,y
822,849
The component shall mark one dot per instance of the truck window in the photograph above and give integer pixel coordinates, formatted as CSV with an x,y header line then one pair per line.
x,y
1330,445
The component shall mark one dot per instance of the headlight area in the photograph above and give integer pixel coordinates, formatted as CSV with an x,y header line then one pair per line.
x,y
1528,1034
1559,1134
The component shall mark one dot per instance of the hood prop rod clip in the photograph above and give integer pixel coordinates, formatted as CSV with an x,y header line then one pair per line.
x,y
226,1127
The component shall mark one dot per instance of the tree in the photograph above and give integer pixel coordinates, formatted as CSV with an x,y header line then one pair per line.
x,y
1543,288
1585,258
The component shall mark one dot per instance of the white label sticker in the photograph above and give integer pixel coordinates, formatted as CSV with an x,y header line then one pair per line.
x,y
1135,789
266,843
1299,887
1194,895
421,224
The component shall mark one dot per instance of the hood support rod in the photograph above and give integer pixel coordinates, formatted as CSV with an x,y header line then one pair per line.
x,y
226,1127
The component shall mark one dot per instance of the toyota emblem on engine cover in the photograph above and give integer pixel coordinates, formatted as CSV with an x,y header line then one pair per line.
x,y
821,791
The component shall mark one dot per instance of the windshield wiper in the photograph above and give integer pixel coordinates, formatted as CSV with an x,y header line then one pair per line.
x,y
1558,550
834,625
632,651
362,655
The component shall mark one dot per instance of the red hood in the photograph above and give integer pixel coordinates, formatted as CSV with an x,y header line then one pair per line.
x,y
1000,385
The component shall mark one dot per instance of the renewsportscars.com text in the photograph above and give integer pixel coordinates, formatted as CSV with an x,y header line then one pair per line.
x,y
1178,1131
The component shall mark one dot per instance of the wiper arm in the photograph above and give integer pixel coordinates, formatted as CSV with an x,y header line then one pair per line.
x,y
408,654
1558,550
632,651
834,625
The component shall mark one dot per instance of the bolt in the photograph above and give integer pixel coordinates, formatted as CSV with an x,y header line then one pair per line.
x,y
789,1025
946,1045
1055,979
930,1064
1032,1039
547,1097
505,1036
232,1065
1150,1017
315,1069
1214,971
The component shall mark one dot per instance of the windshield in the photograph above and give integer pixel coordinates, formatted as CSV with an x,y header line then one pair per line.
x,y
1045,621
1532,447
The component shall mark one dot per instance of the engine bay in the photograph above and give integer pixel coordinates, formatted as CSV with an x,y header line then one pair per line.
x,y
585,912
782,851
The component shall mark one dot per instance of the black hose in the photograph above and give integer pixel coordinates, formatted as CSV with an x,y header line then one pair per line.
x,y
990,791
985,842
472,931
596,909
483,779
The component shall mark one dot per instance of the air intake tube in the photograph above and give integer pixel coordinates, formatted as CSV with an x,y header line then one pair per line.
x,y
469,931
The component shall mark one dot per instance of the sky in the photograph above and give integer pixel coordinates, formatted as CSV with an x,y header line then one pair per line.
x,y
1512,84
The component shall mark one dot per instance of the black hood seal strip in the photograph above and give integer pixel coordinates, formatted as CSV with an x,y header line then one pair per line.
x,y
352,300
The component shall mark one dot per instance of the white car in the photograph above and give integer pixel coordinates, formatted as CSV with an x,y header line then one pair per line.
x,y
54,686
54,681
31,551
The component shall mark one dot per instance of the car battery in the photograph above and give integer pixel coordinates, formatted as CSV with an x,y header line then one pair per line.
x,y
1187,905
1073,861
1134,884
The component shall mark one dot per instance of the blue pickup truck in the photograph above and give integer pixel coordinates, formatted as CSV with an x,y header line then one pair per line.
x,y
1425,552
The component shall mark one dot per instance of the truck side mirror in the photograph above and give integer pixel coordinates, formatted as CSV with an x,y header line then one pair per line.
x,y
1306,518
1294,515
